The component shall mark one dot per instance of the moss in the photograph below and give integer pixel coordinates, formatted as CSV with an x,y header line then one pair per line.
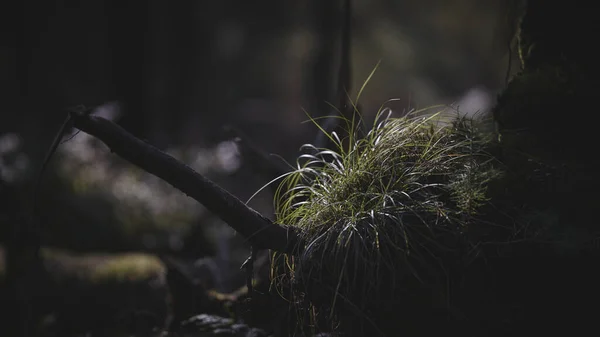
x,y
103,268
128,268
108,293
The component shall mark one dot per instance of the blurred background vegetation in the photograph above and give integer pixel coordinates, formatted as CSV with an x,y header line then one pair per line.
x,y
177,73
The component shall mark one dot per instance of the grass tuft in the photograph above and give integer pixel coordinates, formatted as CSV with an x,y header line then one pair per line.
x,y
384,208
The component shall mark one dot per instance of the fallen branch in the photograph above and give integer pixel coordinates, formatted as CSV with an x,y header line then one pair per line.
x,y
260,231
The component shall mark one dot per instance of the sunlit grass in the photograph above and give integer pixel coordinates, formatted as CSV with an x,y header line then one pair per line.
x,y
384,206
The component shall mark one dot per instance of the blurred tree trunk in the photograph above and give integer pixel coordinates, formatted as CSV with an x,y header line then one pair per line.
x,y
129,37
155,54
542,115
34,118
37,106
326,20
558,76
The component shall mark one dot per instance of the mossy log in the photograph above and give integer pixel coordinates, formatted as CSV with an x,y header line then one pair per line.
x,y
99,293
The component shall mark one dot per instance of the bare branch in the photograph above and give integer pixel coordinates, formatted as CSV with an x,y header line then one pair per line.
x,y
260,231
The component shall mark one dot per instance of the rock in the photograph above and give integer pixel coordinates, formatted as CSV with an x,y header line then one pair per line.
x,y
209,325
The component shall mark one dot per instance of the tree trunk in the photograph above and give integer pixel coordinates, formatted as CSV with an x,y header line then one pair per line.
x,y
542,116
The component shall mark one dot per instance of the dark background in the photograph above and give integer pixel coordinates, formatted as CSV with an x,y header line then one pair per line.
x,y
176,73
